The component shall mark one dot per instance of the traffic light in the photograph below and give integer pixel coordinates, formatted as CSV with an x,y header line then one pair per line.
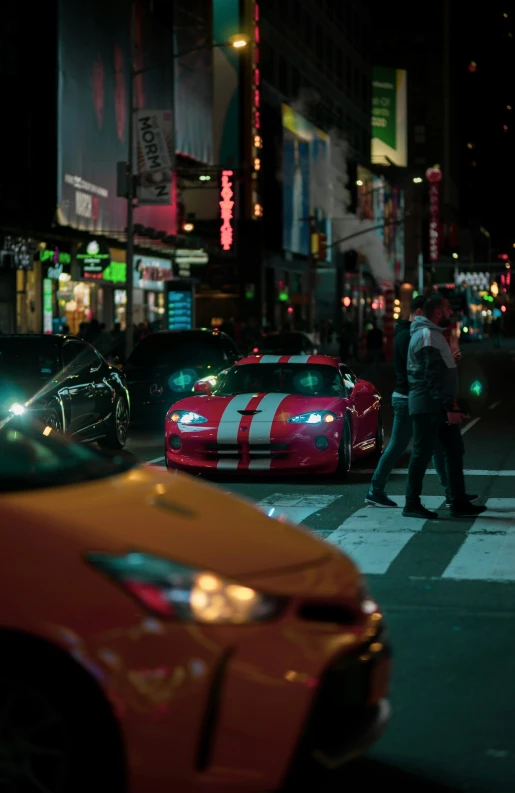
x,y
322,247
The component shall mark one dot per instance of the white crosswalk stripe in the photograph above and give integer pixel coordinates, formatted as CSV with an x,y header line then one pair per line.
x,y
488,553
374,537
295,507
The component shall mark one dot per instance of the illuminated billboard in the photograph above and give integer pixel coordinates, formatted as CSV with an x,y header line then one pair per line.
x,y
383,203
93,104
306,182
389,116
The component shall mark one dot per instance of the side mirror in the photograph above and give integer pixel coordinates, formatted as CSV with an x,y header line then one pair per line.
x,y
202,387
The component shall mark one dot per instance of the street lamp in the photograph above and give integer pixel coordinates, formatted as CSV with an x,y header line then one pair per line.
x,y
238,41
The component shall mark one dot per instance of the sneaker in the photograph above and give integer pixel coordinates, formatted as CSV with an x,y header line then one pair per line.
x,y
418,511
466,511
469,498
376,499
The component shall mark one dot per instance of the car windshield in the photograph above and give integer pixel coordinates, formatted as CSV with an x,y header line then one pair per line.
x,y
177,350
285,343
31,459
28,357
301,379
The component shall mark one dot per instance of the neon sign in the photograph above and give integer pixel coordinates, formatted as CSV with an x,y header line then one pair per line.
x,y
257,140
226,211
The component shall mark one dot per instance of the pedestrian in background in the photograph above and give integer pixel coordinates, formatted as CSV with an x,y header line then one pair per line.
x,y
402,430
434,410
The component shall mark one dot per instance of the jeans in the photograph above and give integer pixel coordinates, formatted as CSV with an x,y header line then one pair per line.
x,y
401,435
427,427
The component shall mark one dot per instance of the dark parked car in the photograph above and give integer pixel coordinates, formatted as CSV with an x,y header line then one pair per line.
x,y
65,383
287,343
165,366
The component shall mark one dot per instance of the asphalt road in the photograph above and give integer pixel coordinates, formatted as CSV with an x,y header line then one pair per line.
x,y
447,587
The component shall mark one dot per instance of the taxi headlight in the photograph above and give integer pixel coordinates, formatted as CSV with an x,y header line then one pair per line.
x,y
177,592
314,417
186,417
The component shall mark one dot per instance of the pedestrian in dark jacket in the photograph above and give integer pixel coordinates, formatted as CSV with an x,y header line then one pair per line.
x,y
434,410
402,430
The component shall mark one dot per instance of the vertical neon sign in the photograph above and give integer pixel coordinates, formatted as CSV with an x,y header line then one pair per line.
x,y
226,210
257,140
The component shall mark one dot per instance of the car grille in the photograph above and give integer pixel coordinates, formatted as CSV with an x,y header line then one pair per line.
x,y
237,451
341,711
328,612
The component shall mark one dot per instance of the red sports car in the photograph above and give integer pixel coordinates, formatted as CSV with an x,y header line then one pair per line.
x,y
282,414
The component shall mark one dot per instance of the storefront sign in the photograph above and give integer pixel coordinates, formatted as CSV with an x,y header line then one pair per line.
x,y
226,210
434,177
256,137
17,253
48,313
478,280
151,273
116,273
56,261
94,257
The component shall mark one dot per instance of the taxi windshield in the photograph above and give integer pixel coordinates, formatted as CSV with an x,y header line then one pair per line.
x,y
301,379
31,459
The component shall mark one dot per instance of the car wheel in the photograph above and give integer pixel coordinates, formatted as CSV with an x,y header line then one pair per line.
x,y
379,449
116,436
46,738
345,453
54,420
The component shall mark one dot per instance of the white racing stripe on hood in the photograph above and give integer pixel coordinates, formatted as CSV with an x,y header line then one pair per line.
x,y
261,427
230,420
270,358
298,359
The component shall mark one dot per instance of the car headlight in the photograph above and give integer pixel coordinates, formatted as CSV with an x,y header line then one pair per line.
x,y
315,417
212,380
186,417
178,592
16,409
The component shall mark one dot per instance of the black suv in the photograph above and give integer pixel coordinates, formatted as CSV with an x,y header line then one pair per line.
x,y
65,383
165,366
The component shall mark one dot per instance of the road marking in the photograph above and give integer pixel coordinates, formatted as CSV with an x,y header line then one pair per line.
x,y
488,553
374,537
469,425
156,460
431,471
496,404
295,507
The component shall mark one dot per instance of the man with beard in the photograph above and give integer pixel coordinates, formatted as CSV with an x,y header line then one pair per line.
x,y
433,406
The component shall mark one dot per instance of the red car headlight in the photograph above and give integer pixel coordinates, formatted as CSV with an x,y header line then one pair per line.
x,y
314,417
178,592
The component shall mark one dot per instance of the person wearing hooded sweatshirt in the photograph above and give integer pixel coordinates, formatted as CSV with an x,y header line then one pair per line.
x,y
402,424
435,413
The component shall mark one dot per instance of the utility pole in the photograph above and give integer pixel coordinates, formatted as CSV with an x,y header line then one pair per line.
x,y
312,274
129,306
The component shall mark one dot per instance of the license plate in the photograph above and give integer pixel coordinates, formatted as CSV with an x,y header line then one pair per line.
x,y
380,681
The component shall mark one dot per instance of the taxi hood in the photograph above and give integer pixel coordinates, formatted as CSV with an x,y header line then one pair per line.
x,y
176,517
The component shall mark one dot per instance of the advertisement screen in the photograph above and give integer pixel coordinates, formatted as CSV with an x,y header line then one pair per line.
x,y
93,106
306,180
389,116
383,203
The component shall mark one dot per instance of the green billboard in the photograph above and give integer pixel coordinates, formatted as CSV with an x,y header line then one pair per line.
x,y
389,116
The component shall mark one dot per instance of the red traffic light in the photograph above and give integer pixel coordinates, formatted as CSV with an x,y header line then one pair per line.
x,y
503,256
